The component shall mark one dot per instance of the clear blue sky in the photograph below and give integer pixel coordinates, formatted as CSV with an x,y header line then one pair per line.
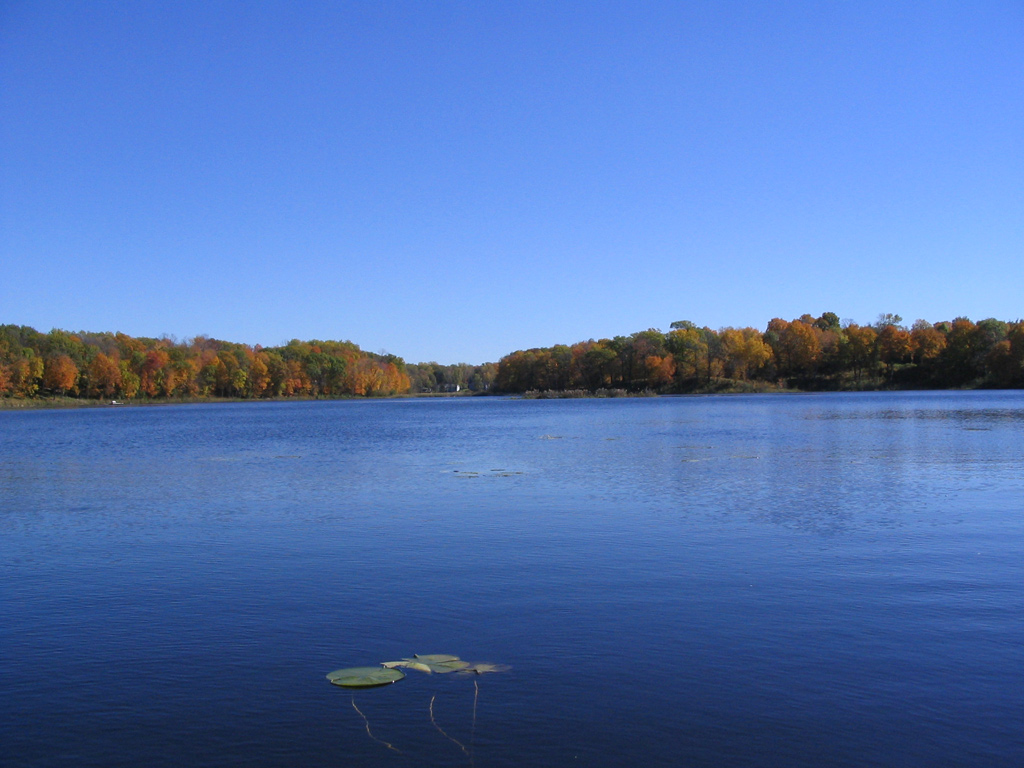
x,y
454,181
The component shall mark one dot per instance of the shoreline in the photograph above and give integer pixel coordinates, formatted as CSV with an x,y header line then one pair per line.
x,y
55,403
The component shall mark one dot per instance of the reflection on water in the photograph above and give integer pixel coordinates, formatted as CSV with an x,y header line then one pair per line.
x,y
732,581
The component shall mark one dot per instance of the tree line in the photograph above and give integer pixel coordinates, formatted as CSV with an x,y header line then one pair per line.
x,y
807,353
461,377
115,366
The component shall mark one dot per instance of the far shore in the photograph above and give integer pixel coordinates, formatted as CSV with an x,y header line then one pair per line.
x,y
45,403
723,387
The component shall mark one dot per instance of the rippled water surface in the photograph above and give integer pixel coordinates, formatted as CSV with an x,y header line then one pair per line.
x,y
735,581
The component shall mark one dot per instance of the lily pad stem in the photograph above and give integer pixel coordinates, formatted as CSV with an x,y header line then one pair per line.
x,y
368,732
439,730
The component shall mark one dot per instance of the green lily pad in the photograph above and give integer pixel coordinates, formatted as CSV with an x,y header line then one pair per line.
x,y
364,677
482,667
419,666
438,662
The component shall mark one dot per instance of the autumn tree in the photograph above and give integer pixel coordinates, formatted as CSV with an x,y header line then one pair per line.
x,y
558,368
926,342
598,365
830,337
682,341
60,343
104,376
259,375
988,336
130,381
225,367
829,321
26,375
277,370
516,371
60,374
1005,361
296,379
894,347
857,350
795,345
744,350
396,380
959,360
691,349
151,378
645,355
660,370
128,346
367,378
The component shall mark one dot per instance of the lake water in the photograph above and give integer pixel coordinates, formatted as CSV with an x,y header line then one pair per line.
x,y
809,580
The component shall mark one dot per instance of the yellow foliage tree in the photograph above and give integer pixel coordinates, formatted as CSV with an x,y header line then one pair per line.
x,y
26,373
259,375
745,351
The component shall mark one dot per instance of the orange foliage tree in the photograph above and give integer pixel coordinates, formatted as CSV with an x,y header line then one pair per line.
x,y
152,374
60,374
894,346
104,376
